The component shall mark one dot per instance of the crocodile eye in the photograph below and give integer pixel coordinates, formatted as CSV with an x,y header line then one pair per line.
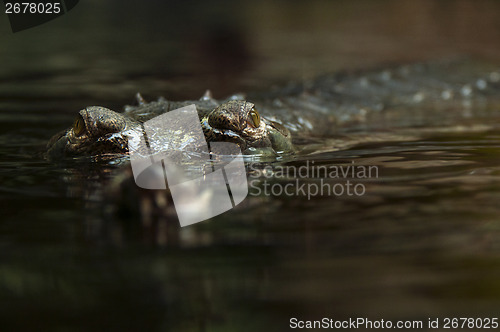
x,y
254,119
78,126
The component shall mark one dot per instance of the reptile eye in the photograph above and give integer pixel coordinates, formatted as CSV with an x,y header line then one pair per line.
x,y
78,126
254,118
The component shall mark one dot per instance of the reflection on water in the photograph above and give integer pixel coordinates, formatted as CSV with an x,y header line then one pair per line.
x,y
424,237
423,241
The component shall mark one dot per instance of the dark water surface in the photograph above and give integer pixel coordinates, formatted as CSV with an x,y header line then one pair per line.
x,y
423,241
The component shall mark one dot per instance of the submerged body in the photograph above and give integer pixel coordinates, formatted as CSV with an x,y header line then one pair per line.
x,y
436,95
433,94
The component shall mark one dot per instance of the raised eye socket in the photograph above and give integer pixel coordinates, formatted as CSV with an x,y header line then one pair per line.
x,y
254,119
78,126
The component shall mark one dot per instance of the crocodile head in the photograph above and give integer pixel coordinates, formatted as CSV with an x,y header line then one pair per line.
x,y
99,131
238,121
95,131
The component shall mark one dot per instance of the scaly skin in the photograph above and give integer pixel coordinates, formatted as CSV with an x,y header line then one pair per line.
x,y
99,131
235,117
424,94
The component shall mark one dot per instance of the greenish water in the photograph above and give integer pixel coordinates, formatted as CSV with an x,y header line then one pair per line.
x,y
422,242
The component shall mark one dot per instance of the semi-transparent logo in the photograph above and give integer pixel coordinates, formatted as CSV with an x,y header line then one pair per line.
x,y
204,179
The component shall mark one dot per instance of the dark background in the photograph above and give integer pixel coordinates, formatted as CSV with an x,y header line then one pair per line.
x,y
110,50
